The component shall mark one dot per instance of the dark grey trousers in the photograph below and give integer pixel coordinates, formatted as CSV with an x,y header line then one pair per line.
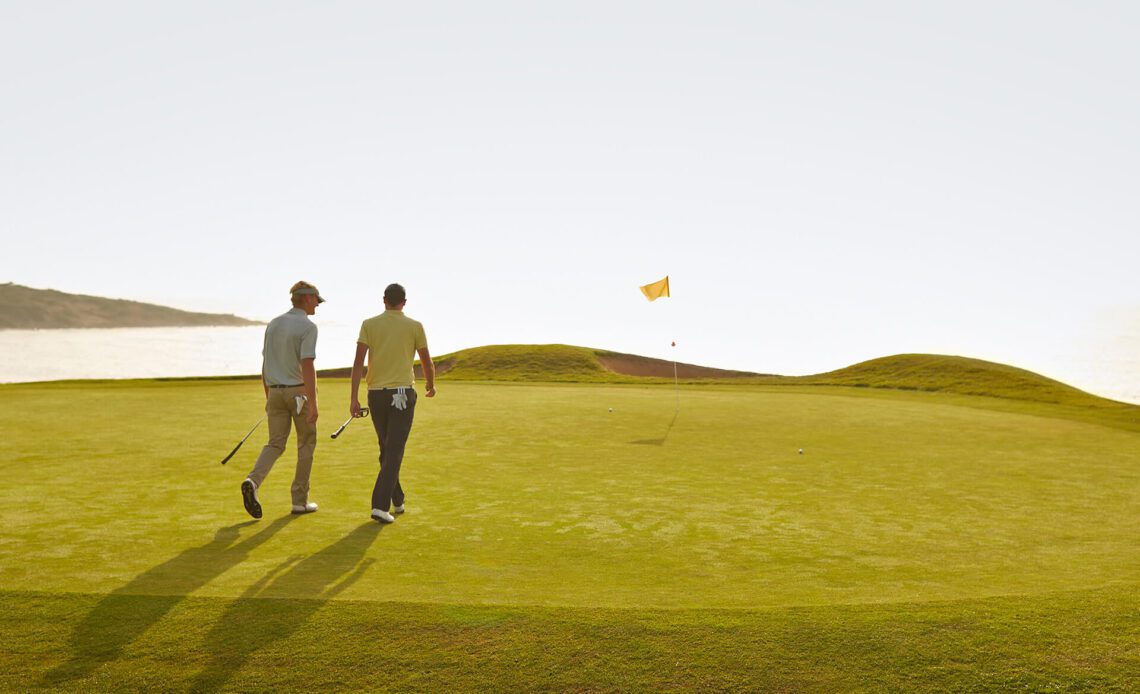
x,y
392,429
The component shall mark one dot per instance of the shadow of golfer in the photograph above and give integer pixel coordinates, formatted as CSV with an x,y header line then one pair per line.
x,y
300,586
660,441
123,615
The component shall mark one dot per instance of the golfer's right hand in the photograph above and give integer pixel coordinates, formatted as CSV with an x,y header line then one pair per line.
x,y
354,408
312,418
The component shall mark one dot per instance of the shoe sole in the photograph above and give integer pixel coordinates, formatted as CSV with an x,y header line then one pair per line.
x,y
249,498
302,513
397,513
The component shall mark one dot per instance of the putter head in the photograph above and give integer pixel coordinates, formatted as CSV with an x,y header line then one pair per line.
x,y
363,413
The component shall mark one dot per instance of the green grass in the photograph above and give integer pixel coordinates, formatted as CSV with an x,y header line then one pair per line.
x,y
921,372
922,541
999,386
944,374
1080,642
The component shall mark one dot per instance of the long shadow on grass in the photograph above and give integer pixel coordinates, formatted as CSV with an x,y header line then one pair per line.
x,y
660,441
253,623
122,617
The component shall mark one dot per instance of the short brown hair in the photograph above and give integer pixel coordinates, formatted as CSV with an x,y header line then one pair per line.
x,y
394,295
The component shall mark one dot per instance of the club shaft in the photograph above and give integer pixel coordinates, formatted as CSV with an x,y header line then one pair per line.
x,y
342,428
237,447
250,432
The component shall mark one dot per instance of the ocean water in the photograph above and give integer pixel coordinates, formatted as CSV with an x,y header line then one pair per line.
x,y
52,355
1108,367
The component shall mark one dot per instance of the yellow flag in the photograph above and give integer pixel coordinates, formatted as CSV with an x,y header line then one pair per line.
x,y
656,290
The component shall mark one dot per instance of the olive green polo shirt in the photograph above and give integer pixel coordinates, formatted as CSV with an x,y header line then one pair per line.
x,y
392,340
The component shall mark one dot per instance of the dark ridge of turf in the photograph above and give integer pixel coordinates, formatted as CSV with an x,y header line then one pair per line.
x,y
1072,641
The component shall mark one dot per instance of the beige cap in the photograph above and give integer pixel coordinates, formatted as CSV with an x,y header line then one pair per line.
x,y
303,287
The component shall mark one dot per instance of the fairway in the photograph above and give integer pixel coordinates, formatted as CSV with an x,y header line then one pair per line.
x,y
911,521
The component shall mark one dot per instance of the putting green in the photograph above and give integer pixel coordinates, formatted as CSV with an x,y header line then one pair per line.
x,y
922,541
538,495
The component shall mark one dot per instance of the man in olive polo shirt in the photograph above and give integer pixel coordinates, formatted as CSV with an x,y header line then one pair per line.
x,y
290,382
391,340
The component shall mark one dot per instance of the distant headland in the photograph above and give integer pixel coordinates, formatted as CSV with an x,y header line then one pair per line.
x,y
25,308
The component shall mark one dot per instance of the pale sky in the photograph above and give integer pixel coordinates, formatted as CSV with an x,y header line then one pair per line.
x,y
823,182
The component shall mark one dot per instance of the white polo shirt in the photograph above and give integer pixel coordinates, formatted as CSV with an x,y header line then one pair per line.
x,y
289,338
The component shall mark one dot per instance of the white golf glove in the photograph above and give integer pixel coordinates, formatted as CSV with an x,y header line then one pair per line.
x,y
400,399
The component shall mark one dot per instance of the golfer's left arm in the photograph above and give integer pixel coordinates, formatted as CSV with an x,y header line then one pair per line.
x,y
309,375
429,371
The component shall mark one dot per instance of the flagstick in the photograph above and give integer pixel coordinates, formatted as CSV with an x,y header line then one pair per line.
x,y
676,383
676,386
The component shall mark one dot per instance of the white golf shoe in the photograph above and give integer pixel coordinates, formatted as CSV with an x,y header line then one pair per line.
x,y
310,507
382,516
397,510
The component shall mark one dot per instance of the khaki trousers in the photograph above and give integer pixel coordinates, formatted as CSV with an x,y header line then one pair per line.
x,y
281,410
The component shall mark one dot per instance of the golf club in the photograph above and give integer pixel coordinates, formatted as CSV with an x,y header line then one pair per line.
x,y
235,450
363,413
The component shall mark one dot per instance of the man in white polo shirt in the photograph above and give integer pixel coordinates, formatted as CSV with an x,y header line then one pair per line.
x,y
391,340
290,382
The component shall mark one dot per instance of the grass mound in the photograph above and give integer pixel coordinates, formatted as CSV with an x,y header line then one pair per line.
x,y
567,363
914,372
988,384
961,375
540,363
